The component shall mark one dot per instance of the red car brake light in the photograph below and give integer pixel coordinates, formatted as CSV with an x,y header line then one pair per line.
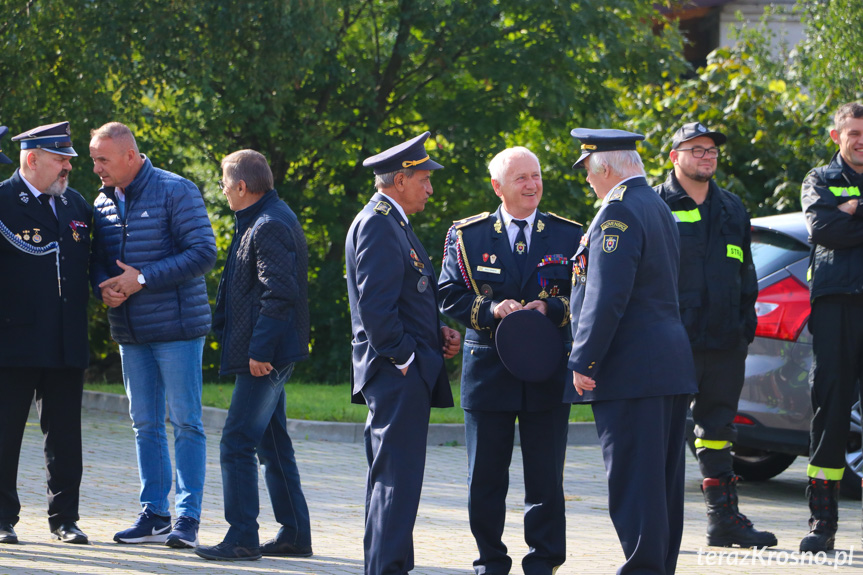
x,y
782,309
742,420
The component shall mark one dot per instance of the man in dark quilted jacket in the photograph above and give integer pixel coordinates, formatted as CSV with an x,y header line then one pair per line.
x,y
262,322
152,245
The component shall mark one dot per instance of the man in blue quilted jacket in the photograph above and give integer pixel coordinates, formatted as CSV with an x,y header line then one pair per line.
x,y
262,322
152,245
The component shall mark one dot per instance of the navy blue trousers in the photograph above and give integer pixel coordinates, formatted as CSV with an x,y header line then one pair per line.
x,y
489,438
642,445
256,426
395,439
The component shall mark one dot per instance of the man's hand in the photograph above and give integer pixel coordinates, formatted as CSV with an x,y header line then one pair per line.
x,y
849,207
451,342
126,283
582,383
110,297
539,305
260,368
506,307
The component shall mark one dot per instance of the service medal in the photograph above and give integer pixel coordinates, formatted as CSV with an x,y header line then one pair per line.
x,y
36,237
423,284
26,235
543,295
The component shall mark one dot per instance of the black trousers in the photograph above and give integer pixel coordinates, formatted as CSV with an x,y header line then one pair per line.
x,y
720,374
642,443
836,324
489,437
58,400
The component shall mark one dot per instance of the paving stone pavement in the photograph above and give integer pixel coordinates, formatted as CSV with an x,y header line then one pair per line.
x,y
333,479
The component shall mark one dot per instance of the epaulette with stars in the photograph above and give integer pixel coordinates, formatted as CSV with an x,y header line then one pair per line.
x,y
616,194
563,219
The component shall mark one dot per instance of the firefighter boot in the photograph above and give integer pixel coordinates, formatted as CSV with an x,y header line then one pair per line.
x,y
726,526
823,497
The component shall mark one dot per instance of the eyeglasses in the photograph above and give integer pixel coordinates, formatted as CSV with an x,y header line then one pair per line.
x,y
699,152
222,185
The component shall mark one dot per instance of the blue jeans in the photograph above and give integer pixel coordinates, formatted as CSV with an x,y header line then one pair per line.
x,y
153,373
256,425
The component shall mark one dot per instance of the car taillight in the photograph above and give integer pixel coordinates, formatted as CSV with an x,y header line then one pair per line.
x,y
782,309
742,420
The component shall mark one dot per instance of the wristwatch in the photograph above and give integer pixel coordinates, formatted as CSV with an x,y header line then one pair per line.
x,y
141,280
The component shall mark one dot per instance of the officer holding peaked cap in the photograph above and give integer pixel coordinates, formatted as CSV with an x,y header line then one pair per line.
x,y
46,226
399,345
506,277
630,353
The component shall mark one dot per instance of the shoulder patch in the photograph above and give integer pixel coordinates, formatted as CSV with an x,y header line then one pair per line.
x,y
458,224
616,194
383,208
562,219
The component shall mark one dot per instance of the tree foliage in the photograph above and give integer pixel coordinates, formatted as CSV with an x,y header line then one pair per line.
x,y
776,131
829,58
317,85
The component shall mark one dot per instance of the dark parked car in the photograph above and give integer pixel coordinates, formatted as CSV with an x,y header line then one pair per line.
x,y
775,409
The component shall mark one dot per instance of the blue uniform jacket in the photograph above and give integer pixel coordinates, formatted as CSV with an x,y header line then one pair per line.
x,y
479,271
393,294
627,333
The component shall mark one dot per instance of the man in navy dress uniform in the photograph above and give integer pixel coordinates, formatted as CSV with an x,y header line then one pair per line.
x,y
630,353
399,346
494,265
43,323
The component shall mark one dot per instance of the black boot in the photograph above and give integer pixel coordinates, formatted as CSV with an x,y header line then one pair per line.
x,y
726,526
823,497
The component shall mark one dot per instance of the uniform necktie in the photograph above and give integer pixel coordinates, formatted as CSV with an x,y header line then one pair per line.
x,y
520,246
45,199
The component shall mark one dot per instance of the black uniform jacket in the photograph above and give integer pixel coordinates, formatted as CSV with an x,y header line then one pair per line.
x,y
39,326
479,271
626,323
718,285
836,261
393,293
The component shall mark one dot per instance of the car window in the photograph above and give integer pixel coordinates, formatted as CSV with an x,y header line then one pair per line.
x,y
772,251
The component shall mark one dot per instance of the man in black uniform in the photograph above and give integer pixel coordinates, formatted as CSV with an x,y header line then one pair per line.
x,y
43,323
718,288
630,354
496,264
830,196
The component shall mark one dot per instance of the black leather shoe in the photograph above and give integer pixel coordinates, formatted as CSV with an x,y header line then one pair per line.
x,y
69,533
274,548
225,551
7,534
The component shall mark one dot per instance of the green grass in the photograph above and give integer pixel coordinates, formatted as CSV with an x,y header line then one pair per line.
x,y
328,402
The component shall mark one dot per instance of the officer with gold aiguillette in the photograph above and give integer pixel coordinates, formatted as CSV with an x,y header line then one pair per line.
x,y
495,267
